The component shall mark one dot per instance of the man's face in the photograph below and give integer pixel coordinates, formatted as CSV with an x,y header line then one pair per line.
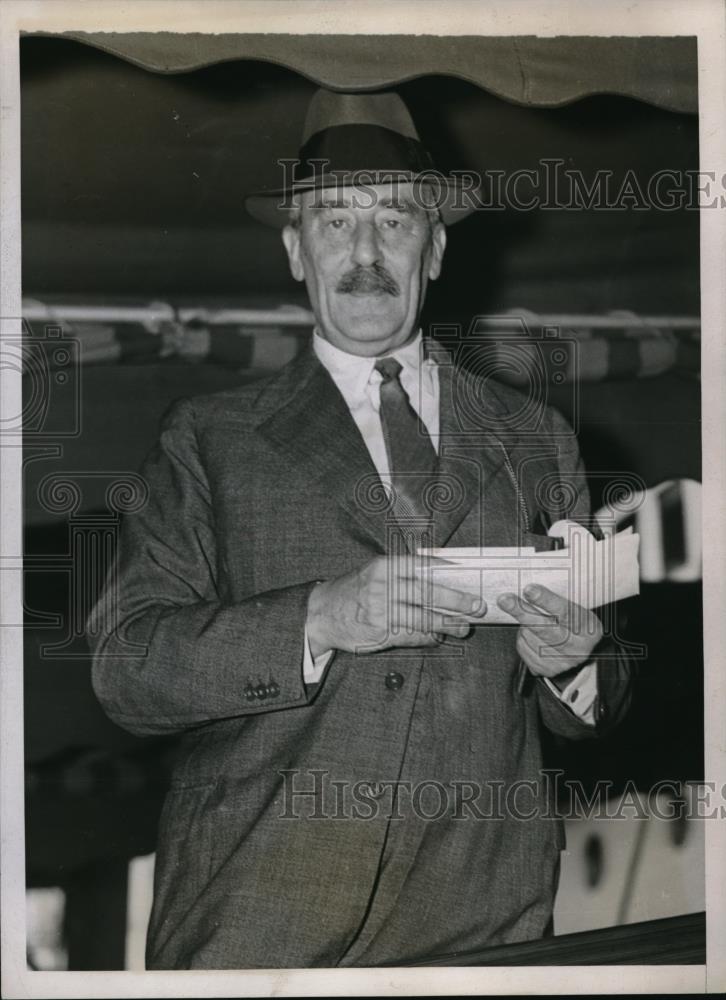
x,y
366,255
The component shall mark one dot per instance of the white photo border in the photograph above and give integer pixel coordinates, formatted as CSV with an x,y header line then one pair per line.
x,y
705,19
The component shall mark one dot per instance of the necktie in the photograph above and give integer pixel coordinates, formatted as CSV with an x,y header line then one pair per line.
x,y
411,455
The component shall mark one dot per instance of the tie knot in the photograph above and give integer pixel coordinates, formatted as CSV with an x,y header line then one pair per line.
x,y
388,368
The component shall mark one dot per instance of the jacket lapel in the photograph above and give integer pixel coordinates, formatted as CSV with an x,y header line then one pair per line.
x,y
314,429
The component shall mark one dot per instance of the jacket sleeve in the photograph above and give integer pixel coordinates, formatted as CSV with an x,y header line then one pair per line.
x,y
168,654
615,668
615,671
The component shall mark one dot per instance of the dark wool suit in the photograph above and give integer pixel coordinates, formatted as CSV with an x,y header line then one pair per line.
x,y
256,494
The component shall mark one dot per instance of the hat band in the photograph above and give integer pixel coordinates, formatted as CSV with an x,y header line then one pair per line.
x,y
364,149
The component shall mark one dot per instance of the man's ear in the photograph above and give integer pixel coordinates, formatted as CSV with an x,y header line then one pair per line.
x,y
438,245
291,239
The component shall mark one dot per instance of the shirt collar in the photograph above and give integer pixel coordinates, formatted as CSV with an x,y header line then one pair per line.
x,y
355,370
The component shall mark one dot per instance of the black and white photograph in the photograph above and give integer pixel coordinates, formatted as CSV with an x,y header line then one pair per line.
x,y
362,445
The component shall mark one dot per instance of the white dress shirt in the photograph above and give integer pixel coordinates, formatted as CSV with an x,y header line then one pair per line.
x,y
359,384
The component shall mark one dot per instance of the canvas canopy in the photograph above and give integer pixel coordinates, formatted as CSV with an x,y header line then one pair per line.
x,y
542,72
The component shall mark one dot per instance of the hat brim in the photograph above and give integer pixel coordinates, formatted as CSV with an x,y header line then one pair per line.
x,y
453,200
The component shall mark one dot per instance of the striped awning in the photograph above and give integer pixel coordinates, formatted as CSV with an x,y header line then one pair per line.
x,y
520,347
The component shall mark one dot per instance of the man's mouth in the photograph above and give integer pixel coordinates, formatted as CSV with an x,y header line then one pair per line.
x,y
365,294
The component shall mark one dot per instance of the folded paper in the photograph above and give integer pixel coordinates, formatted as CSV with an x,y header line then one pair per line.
x,y
587,571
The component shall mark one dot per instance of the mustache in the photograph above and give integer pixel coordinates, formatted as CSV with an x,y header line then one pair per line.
x,y
368,279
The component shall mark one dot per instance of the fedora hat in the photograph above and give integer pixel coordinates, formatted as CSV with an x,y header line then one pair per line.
x,y
362,139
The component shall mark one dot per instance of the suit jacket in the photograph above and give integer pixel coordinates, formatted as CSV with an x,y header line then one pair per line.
x,y
255,494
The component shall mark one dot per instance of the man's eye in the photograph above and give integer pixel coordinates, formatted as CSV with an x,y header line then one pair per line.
x,y
336,223
392,223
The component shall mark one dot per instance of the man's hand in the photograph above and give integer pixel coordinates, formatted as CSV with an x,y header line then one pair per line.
x,y
387,602
558,640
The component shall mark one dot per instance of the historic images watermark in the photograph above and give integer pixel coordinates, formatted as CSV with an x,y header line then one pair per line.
x,y
549,186
316,794
49,416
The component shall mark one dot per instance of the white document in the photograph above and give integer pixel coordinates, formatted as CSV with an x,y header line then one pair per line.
x,y
586,571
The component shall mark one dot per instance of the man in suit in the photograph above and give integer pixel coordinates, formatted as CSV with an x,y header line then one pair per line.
x,y
360,771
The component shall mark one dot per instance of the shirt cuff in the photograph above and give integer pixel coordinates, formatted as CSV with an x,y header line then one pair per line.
x,y
314,667
581,693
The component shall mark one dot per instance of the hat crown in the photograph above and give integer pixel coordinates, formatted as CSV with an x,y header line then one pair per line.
x,y
353,138
385,110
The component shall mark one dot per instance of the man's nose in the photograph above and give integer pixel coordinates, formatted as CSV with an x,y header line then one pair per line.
x,y
366,249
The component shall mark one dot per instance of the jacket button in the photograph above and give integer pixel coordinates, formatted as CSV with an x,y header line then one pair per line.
x,y
601,711
261,690
394,681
